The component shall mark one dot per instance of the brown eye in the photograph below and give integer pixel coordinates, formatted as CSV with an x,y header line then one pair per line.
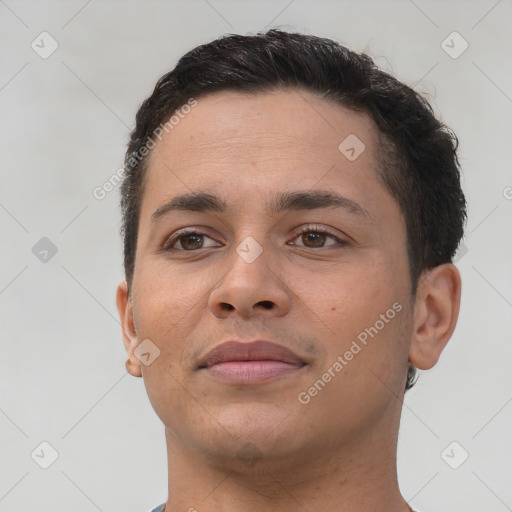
x,y
316,237
313,239
191,241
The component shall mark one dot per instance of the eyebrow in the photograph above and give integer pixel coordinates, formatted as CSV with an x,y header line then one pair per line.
x,y
286,201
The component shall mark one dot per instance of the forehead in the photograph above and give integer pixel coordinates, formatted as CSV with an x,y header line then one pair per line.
x,y
290,121
243,146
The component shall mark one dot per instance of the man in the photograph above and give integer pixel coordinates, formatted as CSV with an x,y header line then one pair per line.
x,y
290,215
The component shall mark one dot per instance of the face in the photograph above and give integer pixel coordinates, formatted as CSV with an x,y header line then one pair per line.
x,y
285,234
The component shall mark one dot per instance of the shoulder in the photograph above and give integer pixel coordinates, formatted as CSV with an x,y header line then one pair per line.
x,y
160,508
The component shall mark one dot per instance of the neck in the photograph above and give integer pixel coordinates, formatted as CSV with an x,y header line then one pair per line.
x,y
359,474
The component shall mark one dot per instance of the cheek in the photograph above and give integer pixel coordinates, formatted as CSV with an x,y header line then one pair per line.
x,y
166,315
165,297
345,300
359,312
164,309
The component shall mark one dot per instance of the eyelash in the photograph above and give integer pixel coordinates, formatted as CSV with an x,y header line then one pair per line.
x,y
312,228
175,238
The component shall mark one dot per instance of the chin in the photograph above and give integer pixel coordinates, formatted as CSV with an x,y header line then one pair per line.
x,y
263,428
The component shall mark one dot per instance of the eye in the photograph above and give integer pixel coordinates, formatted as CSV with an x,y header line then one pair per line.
x,y
188,239
314,237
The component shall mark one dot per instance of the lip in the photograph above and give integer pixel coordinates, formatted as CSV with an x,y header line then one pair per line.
x,y
258,361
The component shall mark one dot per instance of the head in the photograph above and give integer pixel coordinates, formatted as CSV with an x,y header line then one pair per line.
x,y
248,127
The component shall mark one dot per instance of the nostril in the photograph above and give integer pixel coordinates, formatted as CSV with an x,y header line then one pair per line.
x,y
227,307
267,304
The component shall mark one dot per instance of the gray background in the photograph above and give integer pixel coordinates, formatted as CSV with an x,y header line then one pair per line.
x,y
65,120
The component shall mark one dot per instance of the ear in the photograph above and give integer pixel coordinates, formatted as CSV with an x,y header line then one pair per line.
x,y
124,307
436,311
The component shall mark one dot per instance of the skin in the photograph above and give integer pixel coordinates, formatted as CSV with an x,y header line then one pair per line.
x,y
338,451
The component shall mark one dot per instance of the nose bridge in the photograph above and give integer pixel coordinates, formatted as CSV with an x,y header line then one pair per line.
x,y
249,284
249,250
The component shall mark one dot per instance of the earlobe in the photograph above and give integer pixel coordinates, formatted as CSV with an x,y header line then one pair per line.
x,y
125,310
436,311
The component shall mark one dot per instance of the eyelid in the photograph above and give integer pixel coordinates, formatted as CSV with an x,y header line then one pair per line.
x,y
320,229
171,240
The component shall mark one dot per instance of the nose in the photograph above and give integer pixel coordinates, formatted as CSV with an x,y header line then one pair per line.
x,y
250,288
